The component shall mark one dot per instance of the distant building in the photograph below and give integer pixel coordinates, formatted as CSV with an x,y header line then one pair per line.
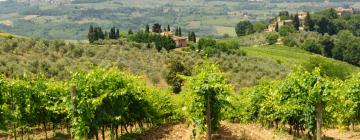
x,y
180,41
343,11
272,26
280,23
302,15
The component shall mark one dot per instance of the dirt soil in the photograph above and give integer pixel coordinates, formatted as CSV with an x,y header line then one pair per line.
x,y
228,131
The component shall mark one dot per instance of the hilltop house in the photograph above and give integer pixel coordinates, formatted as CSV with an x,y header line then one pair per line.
x,y
279,22
343,11
180,41
302,15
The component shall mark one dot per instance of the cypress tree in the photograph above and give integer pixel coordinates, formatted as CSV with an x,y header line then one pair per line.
x,y
112,34
147,28
177,31
96,34
101,34
157,28
189,36
91,34
180,34
193,37
117,34
309,23
168,28
106,35
130,32
296,22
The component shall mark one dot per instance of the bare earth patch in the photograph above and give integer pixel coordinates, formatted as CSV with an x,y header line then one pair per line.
x,y
345,135
228,131
30,17
193,24
168,132
7,22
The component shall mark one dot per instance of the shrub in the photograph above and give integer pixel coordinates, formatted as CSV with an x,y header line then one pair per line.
x,y
312,45
272,38
286,29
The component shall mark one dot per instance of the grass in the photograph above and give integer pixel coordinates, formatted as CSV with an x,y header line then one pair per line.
x,y
221,30
8,35
4,34
280,53
292,56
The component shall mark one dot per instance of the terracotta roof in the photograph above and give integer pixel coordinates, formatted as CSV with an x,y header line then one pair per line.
x,y
179,38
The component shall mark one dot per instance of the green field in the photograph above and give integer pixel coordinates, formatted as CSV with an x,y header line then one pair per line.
x,y
296,57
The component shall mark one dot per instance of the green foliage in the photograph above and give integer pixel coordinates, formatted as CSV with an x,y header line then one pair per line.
x,y
207,83
95,34
109,98
296,56
272,38
289,41
289,102
244,28
309,23
161,42
312,45
346,47
296,22
328,68
192,36
206,43
286,29
347,108
30,102
284,15
178,31
176,68
102,98
259,26
156,28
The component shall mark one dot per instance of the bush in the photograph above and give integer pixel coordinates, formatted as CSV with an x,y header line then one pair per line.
x,y
244,28
312,45
289,41
286,29
272,38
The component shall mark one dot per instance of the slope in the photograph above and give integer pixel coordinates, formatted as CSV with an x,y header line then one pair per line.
x,y
292,56
9,35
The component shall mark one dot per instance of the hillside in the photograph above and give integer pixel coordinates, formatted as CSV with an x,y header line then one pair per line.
x,y
67,19
5,34
296,57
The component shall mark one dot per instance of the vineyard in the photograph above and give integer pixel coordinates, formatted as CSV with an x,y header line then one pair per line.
x,y
107,104
86,104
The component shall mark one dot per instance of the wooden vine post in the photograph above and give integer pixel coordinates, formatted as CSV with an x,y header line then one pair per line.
x,y
73,101
208,119
318,120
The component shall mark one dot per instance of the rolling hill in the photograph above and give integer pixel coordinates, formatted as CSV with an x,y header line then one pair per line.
x,y
70,19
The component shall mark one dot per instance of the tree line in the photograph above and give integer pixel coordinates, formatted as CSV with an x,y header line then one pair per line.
x,y
96,34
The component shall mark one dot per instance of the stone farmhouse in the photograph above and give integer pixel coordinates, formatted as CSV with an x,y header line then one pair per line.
x,y
180,41
302,15
279,22
343,11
